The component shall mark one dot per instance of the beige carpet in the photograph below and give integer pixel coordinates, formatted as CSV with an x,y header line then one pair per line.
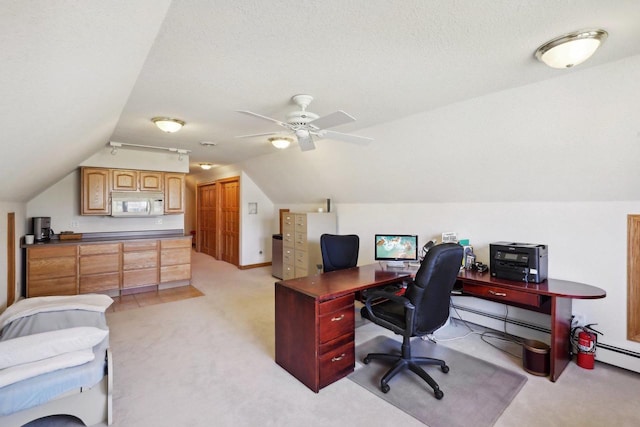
x,y
462,400
209,361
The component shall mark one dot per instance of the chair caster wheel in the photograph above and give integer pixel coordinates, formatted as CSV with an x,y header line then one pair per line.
x,y
366,360
445,369
438,393
385,388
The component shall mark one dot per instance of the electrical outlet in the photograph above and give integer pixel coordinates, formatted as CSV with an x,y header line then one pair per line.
x,y
578,319
74,224
159,221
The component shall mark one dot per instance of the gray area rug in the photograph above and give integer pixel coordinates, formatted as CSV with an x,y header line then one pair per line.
x,y
475,392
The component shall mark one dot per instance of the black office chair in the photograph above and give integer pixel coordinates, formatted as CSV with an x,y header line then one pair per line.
x,y
339,251
423,309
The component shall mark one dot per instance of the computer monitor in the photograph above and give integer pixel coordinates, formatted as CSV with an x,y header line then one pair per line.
x,y
396,249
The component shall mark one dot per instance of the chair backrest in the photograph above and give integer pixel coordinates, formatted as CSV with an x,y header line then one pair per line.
x,y
430,291
339,251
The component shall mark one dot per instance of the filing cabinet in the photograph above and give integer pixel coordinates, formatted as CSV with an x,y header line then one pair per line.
x,y
301,233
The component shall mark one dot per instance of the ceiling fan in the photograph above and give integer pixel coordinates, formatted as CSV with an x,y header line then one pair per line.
x,y
307,126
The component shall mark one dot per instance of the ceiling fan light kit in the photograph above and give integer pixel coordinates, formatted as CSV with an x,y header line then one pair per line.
x,y
280,142
167,124
571,49
307,126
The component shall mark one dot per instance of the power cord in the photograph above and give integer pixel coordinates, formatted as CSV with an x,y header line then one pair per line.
x,y
484,336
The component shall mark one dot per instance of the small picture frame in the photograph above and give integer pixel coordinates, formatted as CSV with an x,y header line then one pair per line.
x,y
253,208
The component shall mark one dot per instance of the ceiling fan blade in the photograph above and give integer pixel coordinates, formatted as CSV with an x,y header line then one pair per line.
x,y
306,143
334,119
260,116
258,134
355,139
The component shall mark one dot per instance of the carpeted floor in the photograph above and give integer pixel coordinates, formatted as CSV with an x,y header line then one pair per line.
x,y
462,400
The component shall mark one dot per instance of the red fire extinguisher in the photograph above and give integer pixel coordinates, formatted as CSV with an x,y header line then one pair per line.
x,y
585,339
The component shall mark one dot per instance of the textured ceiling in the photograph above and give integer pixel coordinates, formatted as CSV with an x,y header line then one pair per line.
x,y
76,77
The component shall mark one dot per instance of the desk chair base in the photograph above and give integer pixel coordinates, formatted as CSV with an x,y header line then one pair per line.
x,y
406,361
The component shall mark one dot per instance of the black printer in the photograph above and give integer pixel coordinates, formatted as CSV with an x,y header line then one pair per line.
x,y
522,262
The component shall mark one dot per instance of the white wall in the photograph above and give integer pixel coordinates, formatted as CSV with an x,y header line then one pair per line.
x,y
587,243
61,201
19,210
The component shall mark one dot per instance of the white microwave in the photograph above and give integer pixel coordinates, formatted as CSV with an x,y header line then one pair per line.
x,y
137,204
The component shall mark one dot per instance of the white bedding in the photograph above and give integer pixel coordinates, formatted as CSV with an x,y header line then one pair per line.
x,y
23,371
32,348
30,306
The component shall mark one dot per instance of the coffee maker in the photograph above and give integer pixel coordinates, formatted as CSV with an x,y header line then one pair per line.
x,y
42,228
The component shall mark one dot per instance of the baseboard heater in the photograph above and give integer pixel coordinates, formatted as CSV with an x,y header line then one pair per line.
x,y
538,328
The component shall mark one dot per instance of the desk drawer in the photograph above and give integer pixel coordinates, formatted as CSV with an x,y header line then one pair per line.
x,y
336,324
502,294
337,364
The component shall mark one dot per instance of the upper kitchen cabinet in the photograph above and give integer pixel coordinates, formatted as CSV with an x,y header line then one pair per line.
x,y
173,193
133,180
124,180
151,181
95,191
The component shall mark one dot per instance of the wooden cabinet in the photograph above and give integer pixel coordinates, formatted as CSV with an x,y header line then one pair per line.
x,y
175,260
95,190
314,340
134,180
301,233
99,267
98,183
108,267
139,263
52,271
124,180
151,181
173,193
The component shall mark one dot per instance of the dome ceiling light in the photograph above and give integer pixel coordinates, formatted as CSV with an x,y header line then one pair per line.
x,y
167,124
571,49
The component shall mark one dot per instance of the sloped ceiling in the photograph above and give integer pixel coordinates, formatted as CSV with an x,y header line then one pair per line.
x,y
78,76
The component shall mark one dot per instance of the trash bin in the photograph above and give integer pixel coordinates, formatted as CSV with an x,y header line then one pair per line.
x,y
276,256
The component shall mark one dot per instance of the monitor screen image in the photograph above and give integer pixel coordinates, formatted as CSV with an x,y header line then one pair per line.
x,y
396,247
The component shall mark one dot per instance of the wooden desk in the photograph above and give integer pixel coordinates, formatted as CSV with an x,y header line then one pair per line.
x,y
551,297
314,316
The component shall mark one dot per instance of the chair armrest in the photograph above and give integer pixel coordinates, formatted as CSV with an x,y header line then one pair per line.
x,y
409,310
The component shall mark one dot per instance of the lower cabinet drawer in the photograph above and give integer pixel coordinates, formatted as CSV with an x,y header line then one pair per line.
x,y
142,277
503,294
337,364
99,282
301,259
288,272
55,286
175,272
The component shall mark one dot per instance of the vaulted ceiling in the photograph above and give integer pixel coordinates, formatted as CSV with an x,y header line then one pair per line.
x,y
78,75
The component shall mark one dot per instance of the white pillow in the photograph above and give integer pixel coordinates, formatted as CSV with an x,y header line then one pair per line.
x,y
27,370
31,348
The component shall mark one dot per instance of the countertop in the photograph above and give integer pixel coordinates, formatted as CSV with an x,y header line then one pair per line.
x,y
118,236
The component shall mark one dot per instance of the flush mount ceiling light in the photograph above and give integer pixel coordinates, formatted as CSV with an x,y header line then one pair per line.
x,y
280,142
167,124
571,49
206,166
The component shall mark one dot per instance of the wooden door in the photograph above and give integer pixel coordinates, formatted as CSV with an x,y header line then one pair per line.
x,y
206,234
229,220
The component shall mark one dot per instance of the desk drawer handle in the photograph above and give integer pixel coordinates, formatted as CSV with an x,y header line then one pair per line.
x,y
498,294
337,319
338,358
